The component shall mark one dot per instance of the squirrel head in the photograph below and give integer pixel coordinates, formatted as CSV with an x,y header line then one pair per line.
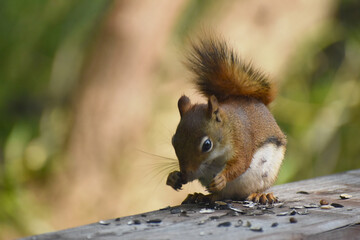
x,y
200,139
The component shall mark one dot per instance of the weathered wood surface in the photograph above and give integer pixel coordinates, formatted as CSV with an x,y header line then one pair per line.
x,y
186,221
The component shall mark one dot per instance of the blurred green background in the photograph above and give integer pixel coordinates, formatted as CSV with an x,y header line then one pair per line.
x,y
87,86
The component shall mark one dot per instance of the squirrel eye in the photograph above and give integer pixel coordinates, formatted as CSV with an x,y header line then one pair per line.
x,y
206,145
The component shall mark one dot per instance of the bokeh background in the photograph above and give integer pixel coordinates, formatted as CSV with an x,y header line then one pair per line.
x,y
89,89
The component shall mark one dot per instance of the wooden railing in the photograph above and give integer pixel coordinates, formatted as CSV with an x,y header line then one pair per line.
x,y
299,215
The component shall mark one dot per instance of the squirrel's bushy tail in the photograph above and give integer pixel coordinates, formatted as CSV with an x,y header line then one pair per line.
x,y
220,72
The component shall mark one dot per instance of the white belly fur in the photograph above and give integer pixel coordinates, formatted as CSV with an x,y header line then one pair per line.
x,y
261,174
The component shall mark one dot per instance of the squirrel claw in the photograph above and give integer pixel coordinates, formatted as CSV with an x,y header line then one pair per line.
x,y
262,198
217,184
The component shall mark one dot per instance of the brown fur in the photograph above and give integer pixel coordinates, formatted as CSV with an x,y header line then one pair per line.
x,y
235,118
220,72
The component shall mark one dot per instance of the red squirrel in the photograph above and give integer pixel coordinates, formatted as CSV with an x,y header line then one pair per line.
x,y
232,144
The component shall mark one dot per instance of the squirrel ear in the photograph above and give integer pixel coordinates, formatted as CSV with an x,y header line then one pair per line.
x,y
213,108
184,105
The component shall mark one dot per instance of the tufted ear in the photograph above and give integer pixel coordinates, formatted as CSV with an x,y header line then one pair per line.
x,y
184,105
213,108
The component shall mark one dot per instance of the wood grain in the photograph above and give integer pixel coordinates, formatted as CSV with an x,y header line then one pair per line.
x,y
186,221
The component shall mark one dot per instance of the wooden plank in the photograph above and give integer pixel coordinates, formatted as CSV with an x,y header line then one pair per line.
x,y
187,221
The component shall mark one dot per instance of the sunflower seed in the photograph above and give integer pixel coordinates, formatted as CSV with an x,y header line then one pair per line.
x,y
206,210
221,203
324,202
224,224
293,220
345,196
297,207
275,224
175,211
102,222
154,221
134,222
236,209
302,192
250,205
293,212
256,229
337,205
326,207
239,223
247,224
201,222
282,214
311,205
305,212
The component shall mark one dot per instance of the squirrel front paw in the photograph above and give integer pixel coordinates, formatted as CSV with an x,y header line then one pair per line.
x,y
175,180
217,184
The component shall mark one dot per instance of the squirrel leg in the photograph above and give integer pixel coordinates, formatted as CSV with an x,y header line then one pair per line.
x,y
218,183
232,170
262,198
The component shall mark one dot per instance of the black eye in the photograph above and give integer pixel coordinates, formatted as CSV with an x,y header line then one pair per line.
x,y
207,145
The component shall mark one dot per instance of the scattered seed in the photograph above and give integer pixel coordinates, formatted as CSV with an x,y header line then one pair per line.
x,y
282,214
183,214
275,224
349,209
236,209
221,203
345,196
311,205
239,223
234,214
305,212
337,205
293,212
256,229
154,221
293,220
202,233
302,192
250,205
279,204
247,224
206,210
326,207
268,212
214,217
134,222
224,224
175,210
297,207
201,222
324,202
102,222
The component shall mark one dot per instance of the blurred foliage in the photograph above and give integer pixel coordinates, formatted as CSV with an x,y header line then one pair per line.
x,y
43,44
319,106
39,41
